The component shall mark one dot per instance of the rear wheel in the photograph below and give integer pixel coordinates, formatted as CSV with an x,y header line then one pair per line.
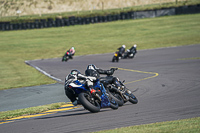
x,y
88,102
117,59
66,58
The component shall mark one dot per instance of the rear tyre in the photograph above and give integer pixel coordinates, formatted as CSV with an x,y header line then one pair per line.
x,y
89,104
66,58
117,59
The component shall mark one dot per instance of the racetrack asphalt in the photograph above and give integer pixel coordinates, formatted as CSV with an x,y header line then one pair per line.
x,y
166,82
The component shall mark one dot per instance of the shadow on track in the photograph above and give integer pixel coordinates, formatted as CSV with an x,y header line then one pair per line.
x,y
74,113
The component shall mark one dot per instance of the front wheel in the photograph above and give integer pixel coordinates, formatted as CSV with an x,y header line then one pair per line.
x,y
117,98
113,59
63,59
88,102
133,99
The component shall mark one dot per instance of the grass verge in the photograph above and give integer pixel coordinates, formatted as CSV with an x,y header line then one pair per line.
x,y
28,111
18,46
178,126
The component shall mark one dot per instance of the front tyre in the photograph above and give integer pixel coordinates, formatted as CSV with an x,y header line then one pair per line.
x,y
113,59
63,59
133,99
88,102
117,98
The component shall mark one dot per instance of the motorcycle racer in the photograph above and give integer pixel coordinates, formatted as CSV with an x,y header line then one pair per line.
x,y
133,48
131,52
92,70
73,76
121,50
71,52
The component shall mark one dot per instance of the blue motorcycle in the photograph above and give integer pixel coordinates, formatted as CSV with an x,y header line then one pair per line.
x,y
92,102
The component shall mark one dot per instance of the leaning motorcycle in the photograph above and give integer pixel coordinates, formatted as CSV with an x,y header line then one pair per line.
x,y
66,57
122,94
127,54
92,101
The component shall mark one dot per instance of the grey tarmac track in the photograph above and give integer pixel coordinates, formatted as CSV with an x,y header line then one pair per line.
x,y
25,97
172,94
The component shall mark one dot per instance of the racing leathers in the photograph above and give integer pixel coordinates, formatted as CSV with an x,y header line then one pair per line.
x,y
71,52
92,70
133,50
121,51
73,76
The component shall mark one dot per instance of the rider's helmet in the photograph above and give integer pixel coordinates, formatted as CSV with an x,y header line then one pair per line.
x,y
73,48
135,45
75,72
91,71
91,66
124,46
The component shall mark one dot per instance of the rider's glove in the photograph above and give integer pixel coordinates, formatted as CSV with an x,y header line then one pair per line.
x,y
113,69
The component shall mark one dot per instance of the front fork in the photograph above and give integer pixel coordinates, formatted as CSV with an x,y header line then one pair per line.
x,y
123,91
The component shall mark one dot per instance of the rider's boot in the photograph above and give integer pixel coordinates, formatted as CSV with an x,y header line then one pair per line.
x,y
76,102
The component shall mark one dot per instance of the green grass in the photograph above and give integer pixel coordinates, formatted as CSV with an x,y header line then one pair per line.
x,y
18,46
179,126
28,111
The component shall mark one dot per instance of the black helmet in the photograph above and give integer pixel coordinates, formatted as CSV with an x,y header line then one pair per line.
x,y
91,66
91,71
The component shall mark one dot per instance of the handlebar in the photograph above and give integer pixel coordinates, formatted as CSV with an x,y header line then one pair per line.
x,y
114,68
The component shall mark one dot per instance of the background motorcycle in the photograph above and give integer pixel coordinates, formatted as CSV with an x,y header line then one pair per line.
x,y
116,57
92,102
124,92
66,57
121,95
127,54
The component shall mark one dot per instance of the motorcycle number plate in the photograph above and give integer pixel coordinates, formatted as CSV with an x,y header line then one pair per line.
x,y
115,54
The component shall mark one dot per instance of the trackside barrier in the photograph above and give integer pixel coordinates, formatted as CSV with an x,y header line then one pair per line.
x,y
71,21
